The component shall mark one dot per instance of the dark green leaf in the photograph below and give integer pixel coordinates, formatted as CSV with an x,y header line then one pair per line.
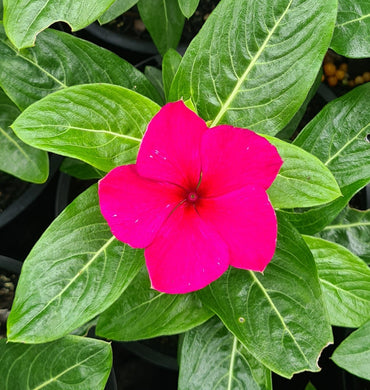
x,y
74,363
310,386
303,180
74,272
352,30
212,358
116,9
188,7
353,354
80,170
337,136
170,64
154,75
345,281
16,157
142,312
100,124
58,61
351,229
279,315
253,62
1,9
164,21
24,19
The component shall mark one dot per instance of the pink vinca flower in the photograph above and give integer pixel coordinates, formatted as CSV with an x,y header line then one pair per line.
x,y
195,200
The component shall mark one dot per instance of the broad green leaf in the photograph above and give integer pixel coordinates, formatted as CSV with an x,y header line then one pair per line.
x,y
80,170
60,60
164,21
351,229
24,19
337,136
170,64
345,281
253,62
73,363
188,7
141,313
75,271
352,29
303,180
353,354
116,9
212,358
16,157
279,316
100,124
154,75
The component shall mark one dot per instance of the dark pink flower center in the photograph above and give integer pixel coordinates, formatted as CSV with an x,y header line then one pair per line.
x,y
192,197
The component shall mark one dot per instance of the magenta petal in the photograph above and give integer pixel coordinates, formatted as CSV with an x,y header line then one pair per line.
x,y
135,207
186,255
233,158
246,222
170,150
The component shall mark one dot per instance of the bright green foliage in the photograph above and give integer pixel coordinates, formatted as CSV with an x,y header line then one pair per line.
x,y
116,9
170,64
188,7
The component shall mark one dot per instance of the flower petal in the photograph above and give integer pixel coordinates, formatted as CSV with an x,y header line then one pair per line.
x,y
233,158
246,221
135,207
186,255
170,150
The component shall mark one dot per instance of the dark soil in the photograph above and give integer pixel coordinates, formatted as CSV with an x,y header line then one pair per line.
x,y
8,283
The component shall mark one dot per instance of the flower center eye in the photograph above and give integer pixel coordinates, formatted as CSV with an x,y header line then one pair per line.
x,y
192,196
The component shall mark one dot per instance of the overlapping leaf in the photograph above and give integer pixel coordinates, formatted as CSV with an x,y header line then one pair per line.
x,y
58,61
345,281
142,312
116,9
74,363
279,313
224,362
188,7
24,19
80,170
253,62
75,271
170,64
100,124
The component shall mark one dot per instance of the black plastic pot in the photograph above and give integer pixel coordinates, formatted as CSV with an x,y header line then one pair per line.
x,y
10,265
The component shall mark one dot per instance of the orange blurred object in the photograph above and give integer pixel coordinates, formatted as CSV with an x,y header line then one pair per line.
x,y
339,74
329,69
366,76
359,80
332,81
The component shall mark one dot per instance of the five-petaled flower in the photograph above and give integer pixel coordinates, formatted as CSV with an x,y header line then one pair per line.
x,y
195,200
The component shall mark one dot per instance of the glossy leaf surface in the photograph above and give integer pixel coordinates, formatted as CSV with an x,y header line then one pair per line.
x,y
75,271
100,124
58,61
142,312
36,15
303,180
224,362
16,157
188,7
73,363
170,64
353,354
116,9
345,281
80,170
164,21
154,75
277,313
351,229
352,29
253,62
337,136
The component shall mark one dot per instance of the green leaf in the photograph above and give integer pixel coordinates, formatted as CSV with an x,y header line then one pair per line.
x,y
253,63
188,7
164,21
1,9
36,15
352,29
310,386
80,170
75,271
345,281
116,9
74,363
154,75
100,124
170,64
351,229
58,61
212,358
141,313
279,316
303,180
337,136
353,354
16,157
